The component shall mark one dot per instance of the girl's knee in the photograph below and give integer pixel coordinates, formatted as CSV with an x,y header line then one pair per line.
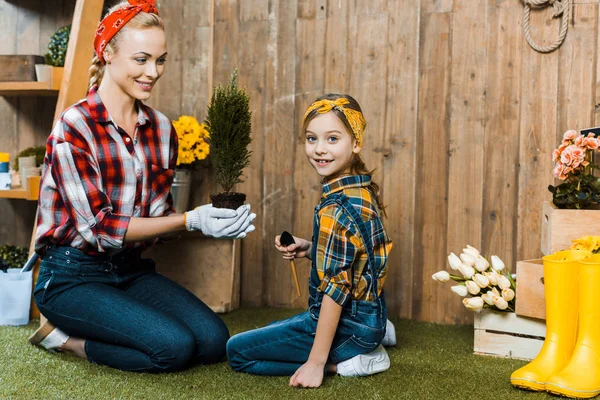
x,y
234,355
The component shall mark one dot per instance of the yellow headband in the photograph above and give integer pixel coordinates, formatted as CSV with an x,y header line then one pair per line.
x,y
355,118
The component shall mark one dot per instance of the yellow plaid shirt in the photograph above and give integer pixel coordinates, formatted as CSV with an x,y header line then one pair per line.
x,y
340,245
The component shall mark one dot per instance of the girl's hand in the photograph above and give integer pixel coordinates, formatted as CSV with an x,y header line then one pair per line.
x,y
309,375
297,250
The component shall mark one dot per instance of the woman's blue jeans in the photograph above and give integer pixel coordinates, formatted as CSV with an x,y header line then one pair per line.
x,y
132,318
282,347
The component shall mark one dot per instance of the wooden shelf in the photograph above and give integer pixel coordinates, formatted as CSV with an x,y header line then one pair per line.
x,y
21,193
27,89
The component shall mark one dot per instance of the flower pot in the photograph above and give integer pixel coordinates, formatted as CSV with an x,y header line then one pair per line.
x,y
560,226
48,73
231,200
15,297
180,190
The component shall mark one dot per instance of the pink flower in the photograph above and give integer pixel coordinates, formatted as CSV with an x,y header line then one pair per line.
x,y
558,170
572,156
579,140
570,135
555,155
591,143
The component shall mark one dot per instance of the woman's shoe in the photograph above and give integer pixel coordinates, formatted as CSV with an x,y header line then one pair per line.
x,y
49,337
365,364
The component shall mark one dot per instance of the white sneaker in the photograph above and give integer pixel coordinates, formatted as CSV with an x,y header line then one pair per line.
x,y
390,334
365,364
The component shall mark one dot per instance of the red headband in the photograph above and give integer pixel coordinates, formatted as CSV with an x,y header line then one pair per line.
x,y
113,22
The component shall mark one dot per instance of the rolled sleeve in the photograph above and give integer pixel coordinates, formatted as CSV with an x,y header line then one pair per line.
x,y
337,250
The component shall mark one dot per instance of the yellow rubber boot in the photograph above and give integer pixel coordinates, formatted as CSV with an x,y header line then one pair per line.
x,y
561,280
581,377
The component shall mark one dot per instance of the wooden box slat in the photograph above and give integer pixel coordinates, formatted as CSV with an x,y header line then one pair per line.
x,y
559,227
507,335
530,289
19,68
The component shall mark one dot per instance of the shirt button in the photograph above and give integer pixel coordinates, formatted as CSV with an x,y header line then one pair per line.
x,y
127,140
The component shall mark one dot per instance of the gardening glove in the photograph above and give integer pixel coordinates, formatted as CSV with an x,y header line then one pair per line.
x,y
221,223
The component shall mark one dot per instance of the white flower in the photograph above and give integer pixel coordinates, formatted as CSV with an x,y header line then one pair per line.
x,y
492,277
460,290
481,264
503,282
500,302
441,276
487,297
508,294
472,251
495,292
454,261
481,280
473,303
466,271
472,287
497,263
467,259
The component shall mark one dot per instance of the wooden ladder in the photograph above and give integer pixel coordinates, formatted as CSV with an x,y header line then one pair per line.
x,y
74,84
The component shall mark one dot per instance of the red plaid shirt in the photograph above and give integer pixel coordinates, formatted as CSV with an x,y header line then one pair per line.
x,y
96,177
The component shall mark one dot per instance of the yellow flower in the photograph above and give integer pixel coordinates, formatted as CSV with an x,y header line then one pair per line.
x,y
192,140
588,243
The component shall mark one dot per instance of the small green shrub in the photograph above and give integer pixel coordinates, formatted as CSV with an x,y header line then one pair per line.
x,y
57,48
12,257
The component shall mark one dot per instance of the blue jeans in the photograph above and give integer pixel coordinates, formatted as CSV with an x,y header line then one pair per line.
x,y
282,347
132,318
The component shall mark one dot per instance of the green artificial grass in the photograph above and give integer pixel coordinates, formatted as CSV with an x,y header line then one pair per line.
x,y
430,362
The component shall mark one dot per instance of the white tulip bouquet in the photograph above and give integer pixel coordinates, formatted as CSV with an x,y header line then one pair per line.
x,y
483,285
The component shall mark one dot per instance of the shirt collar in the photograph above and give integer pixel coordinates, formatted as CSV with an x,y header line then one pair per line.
x,y
99,112
345,182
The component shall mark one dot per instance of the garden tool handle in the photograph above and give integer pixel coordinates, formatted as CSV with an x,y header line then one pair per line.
x,y
295,275
30,263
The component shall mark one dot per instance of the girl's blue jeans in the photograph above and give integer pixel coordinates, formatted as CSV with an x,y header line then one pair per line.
x,y
132,318
283,346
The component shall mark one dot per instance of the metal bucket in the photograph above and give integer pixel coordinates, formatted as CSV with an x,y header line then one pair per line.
x,y
180,190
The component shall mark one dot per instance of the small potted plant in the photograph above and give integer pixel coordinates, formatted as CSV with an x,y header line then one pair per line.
x,y
28,163
229,122
52,71
15,293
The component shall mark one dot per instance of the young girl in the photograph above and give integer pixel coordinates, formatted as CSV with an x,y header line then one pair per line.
x,y
104,197
346,320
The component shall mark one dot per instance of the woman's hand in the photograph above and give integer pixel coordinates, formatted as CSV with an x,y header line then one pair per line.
x,y
297,250
309,375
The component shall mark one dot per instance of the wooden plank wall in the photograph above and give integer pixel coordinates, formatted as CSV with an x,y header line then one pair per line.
x,y
26,27
462,118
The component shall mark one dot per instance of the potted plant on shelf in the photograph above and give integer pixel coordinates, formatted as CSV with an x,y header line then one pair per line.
x,y
229,123
52,71
28,163
193,148
15,286
573,211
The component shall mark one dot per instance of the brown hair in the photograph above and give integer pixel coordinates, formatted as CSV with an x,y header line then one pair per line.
x,y
140,21
357,165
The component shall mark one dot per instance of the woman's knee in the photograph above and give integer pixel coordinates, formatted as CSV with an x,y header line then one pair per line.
x,y
211,347
173,349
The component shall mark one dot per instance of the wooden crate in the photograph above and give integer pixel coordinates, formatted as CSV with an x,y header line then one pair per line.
x,y
208,267
19,68
530,289
559,227
504,334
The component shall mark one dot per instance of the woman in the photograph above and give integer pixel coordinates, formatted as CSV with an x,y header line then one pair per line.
x,y
104,197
